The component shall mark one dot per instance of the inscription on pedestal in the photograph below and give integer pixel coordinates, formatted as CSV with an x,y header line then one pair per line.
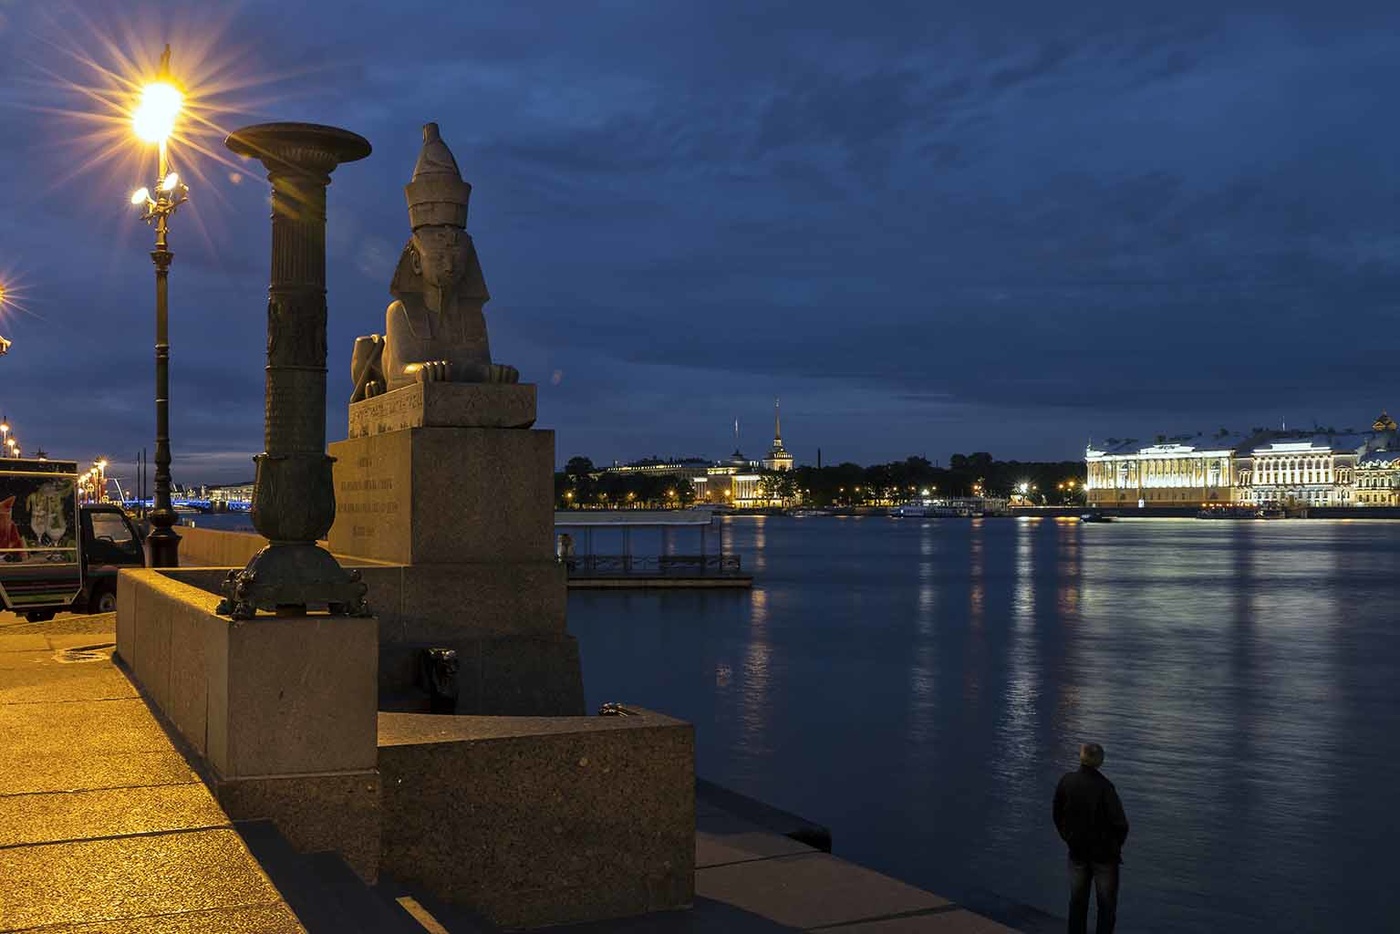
x,y
373,502
445,405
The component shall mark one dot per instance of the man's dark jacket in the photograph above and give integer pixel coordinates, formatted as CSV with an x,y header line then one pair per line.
x,y
1090,817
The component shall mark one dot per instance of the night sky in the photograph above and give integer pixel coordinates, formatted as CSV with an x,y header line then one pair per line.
x,y
927,227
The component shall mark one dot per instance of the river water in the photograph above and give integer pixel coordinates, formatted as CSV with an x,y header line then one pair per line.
x,y
919,685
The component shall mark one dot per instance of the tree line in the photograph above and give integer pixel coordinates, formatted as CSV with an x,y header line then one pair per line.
x,y
1053,483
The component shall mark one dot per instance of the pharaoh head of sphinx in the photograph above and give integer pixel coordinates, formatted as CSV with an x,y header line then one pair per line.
x,y
440,255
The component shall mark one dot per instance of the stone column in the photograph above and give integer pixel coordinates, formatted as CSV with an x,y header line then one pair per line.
x,y
294,497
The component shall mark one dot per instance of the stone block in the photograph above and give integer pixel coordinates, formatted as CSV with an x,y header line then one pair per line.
x,y
481,600
266,696
208,579
445,496
445,405
199,661
512,676
126,613
423,602
300,695
314,813
534,821
150,640
529,677
216,548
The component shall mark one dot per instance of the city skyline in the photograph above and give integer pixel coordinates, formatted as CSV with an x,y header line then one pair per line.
x,y
929,231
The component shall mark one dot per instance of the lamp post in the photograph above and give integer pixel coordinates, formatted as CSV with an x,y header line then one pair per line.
x,y
154,121
4,344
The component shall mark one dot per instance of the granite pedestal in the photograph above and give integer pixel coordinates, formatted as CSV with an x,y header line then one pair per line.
x,y
447,497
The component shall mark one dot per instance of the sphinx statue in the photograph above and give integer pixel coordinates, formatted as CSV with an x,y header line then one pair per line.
x,y
434,330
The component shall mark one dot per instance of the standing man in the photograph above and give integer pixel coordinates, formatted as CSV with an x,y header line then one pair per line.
x,y
1090,820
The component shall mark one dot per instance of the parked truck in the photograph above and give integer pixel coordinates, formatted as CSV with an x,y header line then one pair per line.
x,y
55,554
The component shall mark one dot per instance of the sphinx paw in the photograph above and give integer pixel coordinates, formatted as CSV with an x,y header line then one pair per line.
x,y
500,373
434,371
373,388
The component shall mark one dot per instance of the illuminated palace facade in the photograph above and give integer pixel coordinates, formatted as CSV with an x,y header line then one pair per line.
x,y
1169,473
1293,468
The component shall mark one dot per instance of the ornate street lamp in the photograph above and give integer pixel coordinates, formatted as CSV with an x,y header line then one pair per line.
x,y
154,121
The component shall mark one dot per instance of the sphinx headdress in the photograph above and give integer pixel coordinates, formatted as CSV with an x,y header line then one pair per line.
x,y
437,196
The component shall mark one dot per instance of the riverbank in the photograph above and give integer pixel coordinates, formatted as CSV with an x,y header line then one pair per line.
x,y
112,825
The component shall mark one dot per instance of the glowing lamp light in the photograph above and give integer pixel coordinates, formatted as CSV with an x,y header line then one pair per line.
x,y
140,196
154,117
169,182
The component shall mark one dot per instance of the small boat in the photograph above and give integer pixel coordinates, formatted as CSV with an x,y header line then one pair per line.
x,y
807,513
1095,516
1272,512
1230,512
935,511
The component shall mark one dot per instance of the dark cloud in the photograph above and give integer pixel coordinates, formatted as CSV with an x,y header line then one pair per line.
x,y
1013,224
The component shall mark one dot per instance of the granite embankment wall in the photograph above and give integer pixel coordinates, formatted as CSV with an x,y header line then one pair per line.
x,y
212,548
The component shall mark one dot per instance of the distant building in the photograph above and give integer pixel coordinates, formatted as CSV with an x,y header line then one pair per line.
x,y
1378,479
1378,470
1179,472
736,482
1302,468
778,458
236,495
1314,471
689,468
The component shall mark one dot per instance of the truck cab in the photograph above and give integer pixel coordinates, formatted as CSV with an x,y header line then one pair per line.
x,y
54,554
110,542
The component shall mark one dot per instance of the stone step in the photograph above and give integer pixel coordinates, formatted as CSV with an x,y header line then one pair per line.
x,y
321,889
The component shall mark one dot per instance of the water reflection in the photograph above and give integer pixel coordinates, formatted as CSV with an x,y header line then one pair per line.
x,y
976,609
757,558
1016,767
1293,698
919,687
753,698
922,702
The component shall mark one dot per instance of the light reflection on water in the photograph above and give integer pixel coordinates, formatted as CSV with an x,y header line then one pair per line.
x,y
920,685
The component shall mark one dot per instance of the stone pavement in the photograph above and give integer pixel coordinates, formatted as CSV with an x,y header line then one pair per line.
x,y
103,827
105,830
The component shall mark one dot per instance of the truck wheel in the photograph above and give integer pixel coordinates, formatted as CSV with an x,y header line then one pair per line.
x,y
104,601
39,616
